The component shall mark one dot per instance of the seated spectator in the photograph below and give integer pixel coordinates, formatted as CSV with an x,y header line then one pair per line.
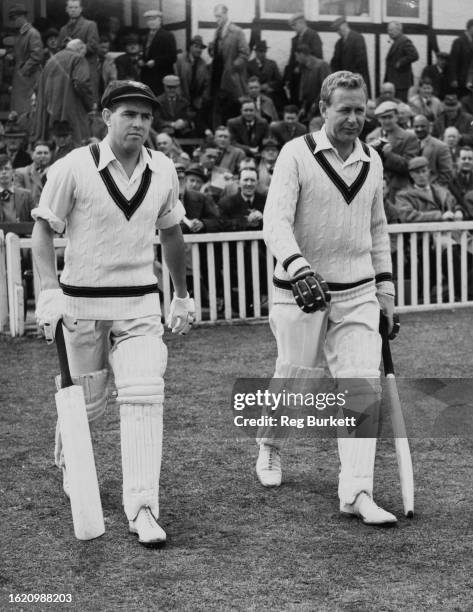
x,y
289,128
33,176
387,94
170,147
268,74
467,100
425,103
451,137
462,180
395,146
228,156
16,203
15,146
453,115
371,122
264,105
172,114
216,177
438,73
202,215
128,65
269,155
313,72
244,209
248,130
436,152
404,116
62,139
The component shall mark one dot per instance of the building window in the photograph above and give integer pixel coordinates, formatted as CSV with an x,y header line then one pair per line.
x,y
349,8
358,10
281,8
406,10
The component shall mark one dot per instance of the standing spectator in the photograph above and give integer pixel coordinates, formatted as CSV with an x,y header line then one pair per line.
x,y
268,74
462,181
289,128
172,113
113,29
16,203
248,131
106,63
454,115
304,36
350,51
27,55
229,156
50,44
159,53
313,72
33,176
62,139
425,103
435,151
399,59
395,146
193,73
438,73
461,56
230,53
86,30
264,105
387,92
15,146
451,137
65,92
128,65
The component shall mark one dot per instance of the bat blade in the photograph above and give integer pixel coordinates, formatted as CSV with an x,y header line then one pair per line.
x,y
403,453
86,507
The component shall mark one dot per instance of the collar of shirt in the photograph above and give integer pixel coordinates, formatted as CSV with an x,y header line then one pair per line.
x,y
323,144
107,157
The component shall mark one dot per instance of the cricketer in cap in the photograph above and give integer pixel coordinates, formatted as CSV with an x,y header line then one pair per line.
x,y
112,197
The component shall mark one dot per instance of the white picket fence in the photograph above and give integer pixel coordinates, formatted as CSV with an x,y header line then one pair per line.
x,y
235,282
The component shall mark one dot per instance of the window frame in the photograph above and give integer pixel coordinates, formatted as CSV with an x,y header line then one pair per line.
x,y
423,14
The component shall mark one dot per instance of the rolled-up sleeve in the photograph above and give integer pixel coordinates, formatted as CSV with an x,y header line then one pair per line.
x,y
58,196
172,211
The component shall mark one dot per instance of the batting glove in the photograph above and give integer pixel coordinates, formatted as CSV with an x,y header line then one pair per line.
x,y
310,291
49,309
181,315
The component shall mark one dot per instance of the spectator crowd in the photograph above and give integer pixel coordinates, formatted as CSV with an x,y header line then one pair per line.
x,y
224,122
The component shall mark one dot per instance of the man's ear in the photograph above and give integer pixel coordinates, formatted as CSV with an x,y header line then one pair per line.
x,y
322,108
106,116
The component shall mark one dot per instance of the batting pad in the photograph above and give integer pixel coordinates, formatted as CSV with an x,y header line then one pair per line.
x,y
141,429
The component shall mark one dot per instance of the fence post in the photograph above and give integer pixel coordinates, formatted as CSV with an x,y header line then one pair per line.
x,y
16,300
3,284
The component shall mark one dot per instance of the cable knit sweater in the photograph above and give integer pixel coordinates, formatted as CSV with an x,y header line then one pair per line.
x,y
307,215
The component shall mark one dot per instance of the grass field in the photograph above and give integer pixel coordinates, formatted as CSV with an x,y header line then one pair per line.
x,y
233,545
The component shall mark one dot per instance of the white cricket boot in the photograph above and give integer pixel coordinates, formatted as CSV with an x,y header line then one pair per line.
x,y
365,508
147,528
268,466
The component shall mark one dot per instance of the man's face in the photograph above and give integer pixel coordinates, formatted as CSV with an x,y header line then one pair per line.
x,y
388,121
248,181
393,31
153,23
248,111
270,154
426,90
290,118
196,50
12,144
132,48
222,139
345,116
421,127
260,55
209,159
171,90
129,124
51,43
370,108
451,111
465,161
387,90
104,48
17,21
451,137
164,143
193,182
254,89
61,140
74,9
6,175
41,156
420,176
298,26
220,16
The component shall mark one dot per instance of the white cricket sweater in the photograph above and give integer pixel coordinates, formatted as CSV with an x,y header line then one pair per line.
x,y
307,215
106,252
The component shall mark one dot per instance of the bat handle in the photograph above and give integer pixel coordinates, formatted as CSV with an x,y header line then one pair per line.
x,y
386,349
66,379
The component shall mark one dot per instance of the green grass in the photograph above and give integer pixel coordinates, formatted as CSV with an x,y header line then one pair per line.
x,y
233,545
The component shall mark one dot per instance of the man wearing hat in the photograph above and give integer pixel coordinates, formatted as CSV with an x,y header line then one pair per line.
x,y
268,74
128,65
304,36
439,74
264,104
112,197
350,51
159,52
194,77
172,114
395,146
28,56
61,135
269,155
461,57
202,215
453,115
50,44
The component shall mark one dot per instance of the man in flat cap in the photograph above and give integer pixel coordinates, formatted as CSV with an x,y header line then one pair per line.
x,y
28,57
304,36
395,146
350,51
172,114
159,52
113,196
268,74
194,77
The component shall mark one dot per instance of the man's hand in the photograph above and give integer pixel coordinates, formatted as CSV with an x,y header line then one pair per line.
x,y
196,225
255,217
386,303
49,309
310,291
387,148
181,315
458,215
448,216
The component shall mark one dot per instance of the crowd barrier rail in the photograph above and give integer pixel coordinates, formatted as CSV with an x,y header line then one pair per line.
x,y
230,273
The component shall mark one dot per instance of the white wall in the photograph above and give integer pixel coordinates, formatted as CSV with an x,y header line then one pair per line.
x,y
451,14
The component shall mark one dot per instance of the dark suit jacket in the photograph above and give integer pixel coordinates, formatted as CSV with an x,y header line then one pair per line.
x,y
440,160
268,74
198,206
23,205
234,211
402,53
28,178
244,139
459,186
284,132
350,54
462,121
163,51
440,80
312,77
184,67
165,113
461,56
127,68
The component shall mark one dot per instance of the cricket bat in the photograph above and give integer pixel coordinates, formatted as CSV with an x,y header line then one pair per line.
x,y
403,453
86,506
